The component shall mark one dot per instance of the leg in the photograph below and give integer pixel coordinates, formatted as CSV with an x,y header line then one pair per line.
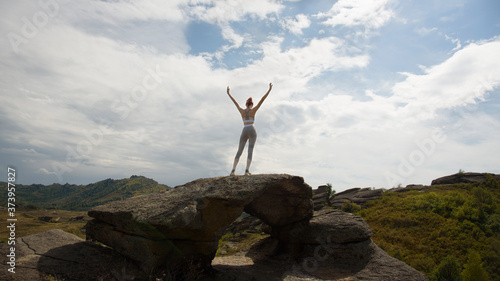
x,y
243,141
251,144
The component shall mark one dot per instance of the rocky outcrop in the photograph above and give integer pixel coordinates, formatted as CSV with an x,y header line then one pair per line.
x,y
177,233
184,225
356,195
338,245
65,256
334,245
464,178
321,197
408,188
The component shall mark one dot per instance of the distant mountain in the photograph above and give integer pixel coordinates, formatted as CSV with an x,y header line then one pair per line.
x,y
82,197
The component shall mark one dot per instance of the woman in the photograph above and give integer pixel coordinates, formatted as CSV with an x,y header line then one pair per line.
x,y
249,132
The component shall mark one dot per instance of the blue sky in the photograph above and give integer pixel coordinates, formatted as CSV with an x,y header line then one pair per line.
x,y
366,93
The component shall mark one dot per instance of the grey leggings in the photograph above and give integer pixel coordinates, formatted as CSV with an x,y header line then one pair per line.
x,y
248,133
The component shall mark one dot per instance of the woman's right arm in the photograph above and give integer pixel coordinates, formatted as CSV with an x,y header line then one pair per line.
x,y
234,101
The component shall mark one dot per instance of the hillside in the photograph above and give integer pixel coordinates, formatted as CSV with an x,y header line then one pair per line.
x,y
423,228
82,197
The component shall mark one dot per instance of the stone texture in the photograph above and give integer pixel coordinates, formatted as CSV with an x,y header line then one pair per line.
x,y
338,245
356,195
321,197
185,224
66,257
464,178
334,245
335,226
362,260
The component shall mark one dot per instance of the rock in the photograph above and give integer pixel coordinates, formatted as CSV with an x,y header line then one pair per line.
x,y
49,219
65,256
362,260
177,232
334,246
464,178
321,197
335,226
77,218
184,225
356,195
408,188
338,245
249,224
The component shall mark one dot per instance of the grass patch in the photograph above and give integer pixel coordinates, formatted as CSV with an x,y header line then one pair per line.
x,y
232,243
28,222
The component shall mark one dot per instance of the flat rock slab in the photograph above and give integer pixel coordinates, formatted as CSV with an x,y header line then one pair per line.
x,y
188,221
66,257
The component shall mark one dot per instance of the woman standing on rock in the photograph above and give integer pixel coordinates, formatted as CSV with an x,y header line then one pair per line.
x,y
249,132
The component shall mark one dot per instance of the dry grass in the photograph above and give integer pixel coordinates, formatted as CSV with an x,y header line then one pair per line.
x,y
28,222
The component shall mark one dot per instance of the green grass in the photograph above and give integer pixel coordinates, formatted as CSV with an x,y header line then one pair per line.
x,y
423,228
240,241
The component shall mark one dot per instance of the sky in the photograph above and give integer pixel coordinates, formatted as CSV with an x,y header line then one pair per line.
x,y
367,93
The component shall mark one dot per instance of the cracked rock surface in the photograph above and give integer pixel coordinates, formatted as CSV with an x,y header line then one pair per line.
x,y
64,256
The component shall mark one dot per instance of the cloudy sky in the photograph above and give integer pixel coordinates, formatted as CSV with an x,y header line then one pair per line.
x,y
366,93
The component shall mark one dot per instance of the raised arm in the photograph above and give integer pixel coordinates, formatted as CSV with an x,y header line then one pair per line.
x,y
264,97
234,101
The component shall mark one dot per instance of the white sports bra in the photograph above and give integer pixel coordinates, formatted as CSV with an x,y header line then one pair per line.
x,y
247,121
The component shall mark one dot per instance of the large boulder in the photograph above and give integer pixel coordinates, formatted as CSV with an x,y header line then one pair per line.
x,y
337,245
184,225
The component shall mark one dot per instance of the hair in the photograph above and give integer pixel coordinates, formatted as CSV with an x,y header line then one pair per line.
x,y
249,101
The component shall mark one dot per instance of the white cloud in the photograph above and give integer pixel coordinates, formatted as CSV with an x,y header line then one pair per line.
x,y
463,79
366,13
214,12
74,88
118,11
293,68
297,24
424,31
454,41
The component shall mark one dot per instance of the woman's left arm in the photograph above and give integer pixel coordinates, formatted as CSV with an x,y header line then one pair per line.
x,y
264,97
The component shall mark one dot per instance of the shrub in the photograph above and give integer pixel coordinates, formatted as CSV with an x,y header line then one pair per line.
x,y
474,270
448,270
350,207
